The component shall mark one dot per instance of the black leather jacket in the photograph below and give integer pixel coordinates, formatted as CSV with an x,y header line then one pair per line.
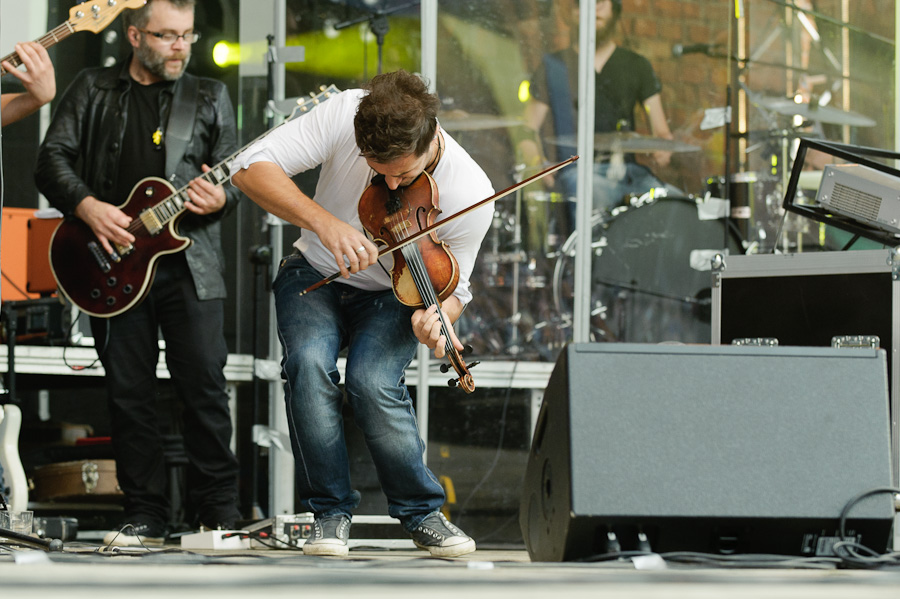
x,y
81,153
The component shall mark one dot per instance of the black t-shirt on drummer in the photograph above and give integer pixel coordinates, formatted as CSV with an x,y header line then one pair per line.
x,y
625,82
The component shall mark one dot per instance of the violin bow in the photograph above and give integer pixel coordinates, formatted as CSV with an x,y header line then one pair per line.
x,y
425,231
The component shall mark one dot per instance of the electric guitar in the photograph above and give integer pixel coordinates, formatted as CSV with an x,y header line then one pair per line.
x,y
87,16
10,425
105,285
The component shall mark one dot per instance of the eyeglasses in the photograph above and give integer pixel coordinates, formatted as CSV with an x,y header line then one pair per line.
x,y
169,38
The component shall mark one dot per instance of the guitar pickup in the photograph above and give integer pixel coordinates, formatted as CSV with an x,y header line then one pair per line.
x,y
99,256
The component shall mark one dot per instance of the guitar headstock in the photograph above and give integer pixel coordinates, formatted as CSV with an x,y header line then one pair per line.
x,y
304,105
96,15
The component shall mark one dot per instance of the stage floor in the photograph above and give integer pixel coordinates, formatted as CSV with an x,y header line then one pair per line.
x,y
83,571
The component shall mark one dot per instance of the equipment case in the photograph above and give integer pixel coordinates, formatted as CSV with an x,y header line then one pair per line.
x,y
806,299
79,480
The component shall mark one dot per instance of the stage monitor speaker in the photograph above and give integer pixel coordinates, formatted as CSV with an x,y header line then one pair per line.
x,y
715,449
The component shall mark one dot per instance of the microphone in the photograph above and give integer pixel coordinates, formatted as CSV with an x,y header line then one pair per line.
x,y
680,49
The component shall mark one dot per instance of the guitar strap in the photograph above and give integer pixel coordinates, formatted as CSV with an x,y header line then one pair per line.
x,y
181,121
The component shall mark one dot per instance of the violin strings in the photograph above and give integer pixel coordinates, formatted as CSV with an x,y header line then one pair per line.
x,y
420,274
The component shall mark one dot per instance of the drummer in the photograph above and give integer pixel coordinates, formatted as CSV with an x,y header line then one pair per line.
x,y
624,81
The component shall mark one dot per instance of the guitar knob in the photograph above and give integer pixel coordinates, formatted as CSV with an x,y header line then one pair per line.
x,y
110,301
95,293
127,289
111,282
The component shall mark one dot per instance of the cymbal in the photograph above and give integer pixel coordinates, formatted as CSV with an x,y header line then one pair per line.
x,y
629,142
460,120
814,112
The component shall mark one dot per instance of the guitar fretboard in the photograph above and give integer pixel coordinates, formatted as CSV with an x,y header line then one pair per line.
x,y
173,206
47,40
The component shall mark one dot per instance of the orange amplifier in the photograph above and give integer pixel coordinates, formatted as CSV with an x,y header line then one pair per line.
x,y
39,277
24,248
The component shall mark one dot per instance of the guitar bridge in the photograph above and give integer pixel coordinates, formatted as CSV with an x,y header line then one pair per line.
x,y
99,256
120,251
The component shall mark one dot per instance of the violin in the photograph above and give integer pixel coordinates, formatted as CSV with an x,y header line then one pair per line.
x,y
425,272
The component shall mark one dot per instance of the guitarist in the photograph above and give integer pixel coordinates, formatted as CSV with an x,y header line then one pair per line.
x,y
115,126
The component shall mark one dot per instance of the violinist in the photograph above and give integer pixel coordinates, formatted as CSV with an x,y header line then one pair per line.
x,y
389,133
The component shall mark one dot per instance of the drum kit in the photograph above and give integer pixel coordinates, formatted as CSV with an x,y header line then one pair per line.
x,y
650,254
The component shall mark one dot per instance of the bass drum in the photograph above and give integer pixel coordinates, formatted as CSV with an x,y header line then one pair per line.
x,y
644,288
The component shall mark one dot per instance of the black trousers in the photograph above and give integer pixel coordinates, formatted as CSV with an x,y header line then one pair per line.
x,y
195,355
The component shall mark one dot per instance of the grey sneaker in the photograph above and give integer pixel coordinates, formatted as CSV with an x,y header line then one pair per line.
x,y
329,536
441,538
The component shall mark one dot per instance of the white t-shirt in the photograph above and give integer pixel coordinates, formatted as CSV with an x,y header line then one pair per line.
x,y
326,137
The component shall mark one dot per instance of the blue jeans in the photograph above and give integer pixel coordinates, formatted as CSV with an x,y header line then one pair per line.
x,y
376,330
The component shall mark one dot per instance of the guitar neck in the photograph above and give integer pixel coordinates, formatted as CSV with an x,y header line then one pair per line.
x,y
48,39
173,206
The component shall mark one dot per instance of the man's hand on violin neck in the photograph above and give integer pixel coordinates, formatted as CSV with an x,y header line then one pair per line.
x,y
426,325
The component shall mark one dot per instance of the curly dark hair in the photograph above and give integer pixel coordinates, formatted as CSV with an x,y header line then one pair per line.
x,y
397,117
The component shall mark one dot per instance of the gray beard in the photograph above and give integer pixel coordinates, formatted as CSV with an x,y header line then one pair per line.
x,y
156,63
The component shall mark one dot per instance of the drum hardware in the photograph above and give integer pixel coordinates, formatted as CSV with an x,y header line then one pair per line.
x,y
636,201
755,204
515,261
628,142
506,257
632,288
812,111
460,120
547,215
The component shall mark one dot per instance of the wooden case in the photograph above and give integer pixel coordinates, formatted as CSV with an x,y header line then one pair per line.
x,y
80,480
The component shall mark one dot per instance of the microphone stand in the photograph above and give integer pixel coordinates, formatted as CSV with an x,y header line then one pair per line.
x,y
729,115
378,25
261,258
